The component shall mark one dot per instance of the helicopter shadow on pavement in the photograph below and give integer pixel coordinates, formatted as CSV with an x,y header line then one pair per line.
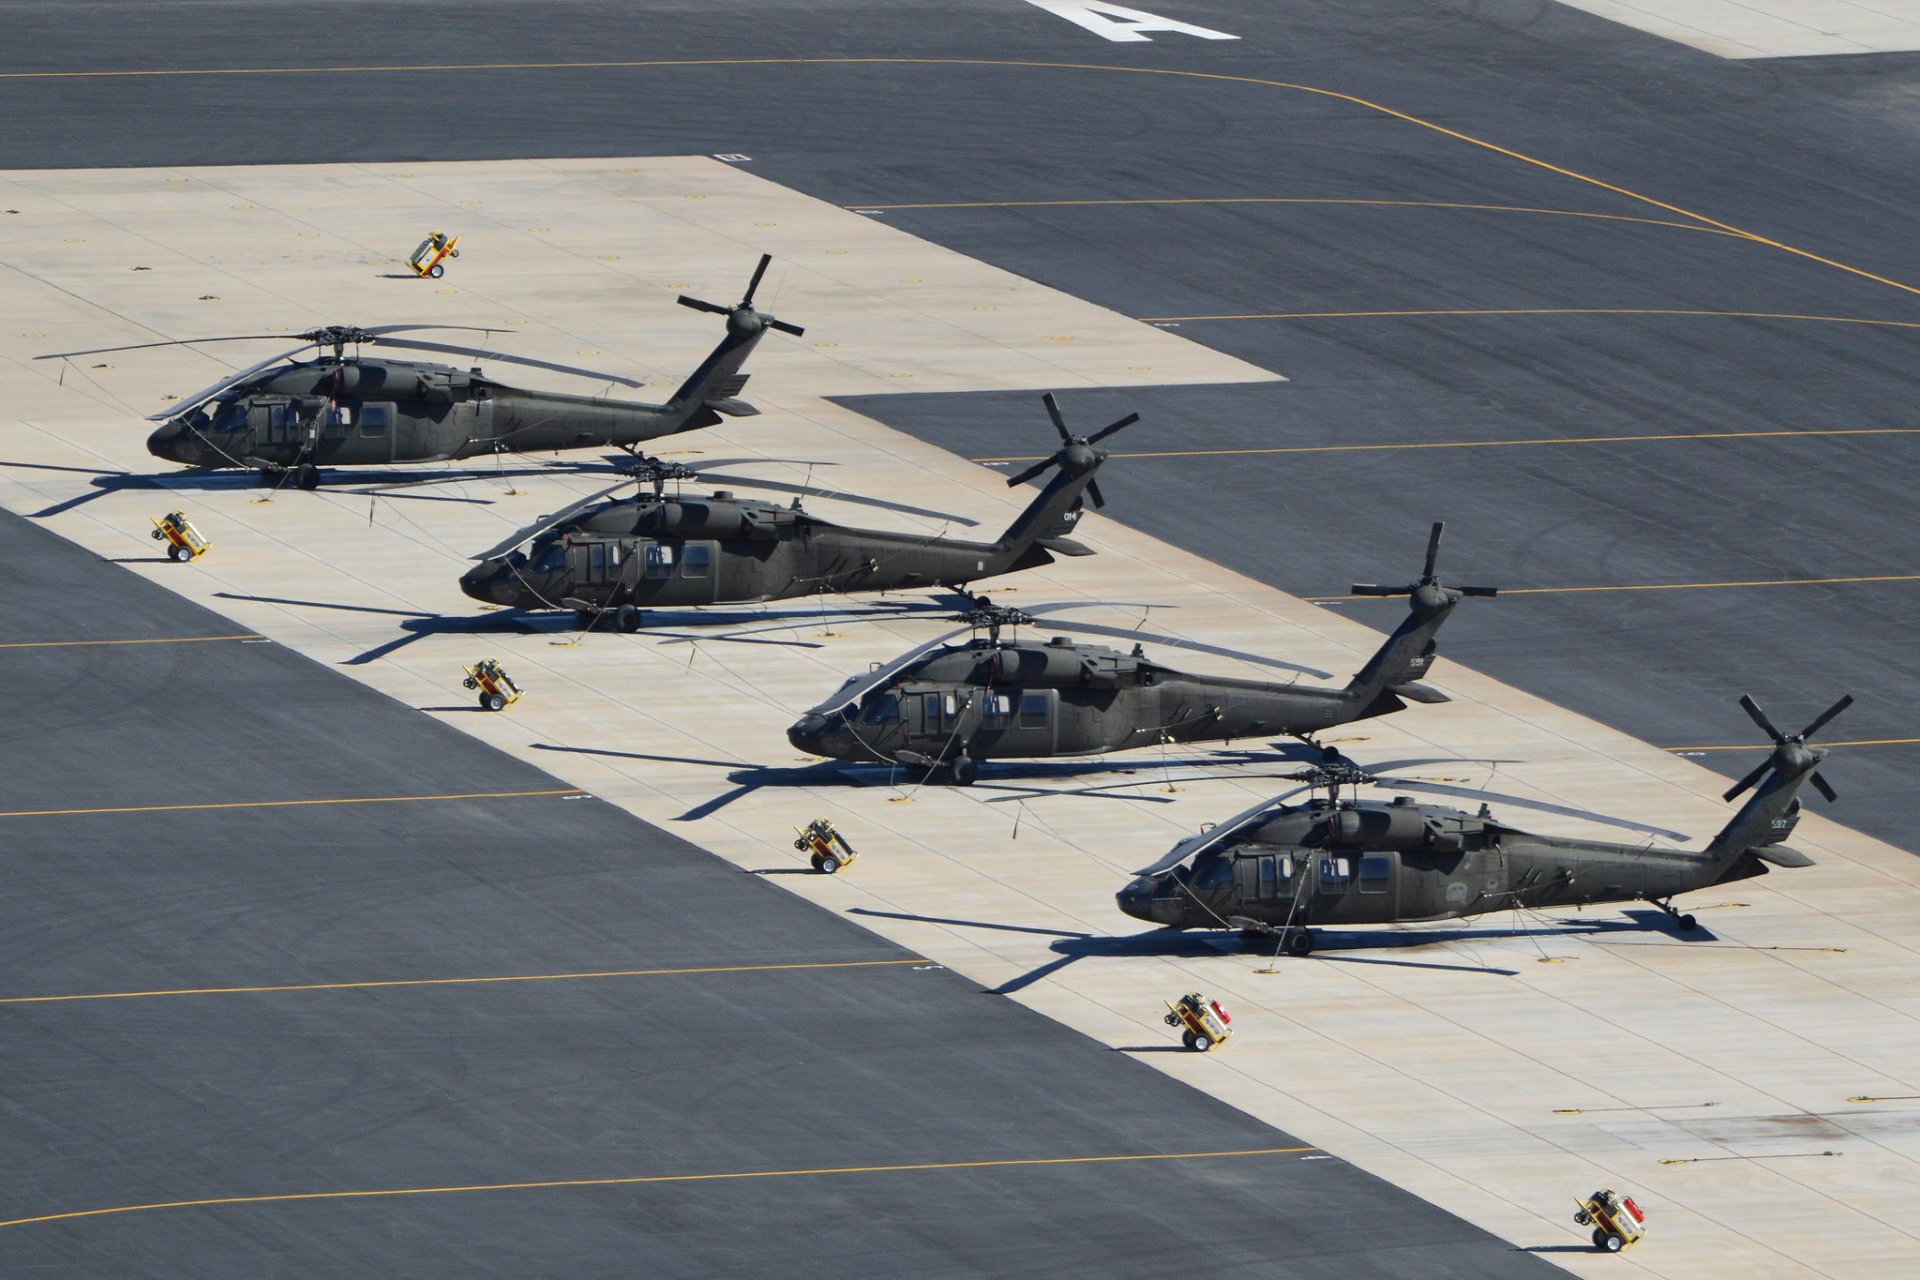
x,y
413,623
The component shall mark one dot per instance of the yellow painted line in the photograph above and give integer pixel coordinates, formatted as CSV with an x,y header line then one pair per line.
x,y
1539,311
660,1179
83,644
1667,586
1013,63
460,982
291,804
1858,742
1495,444
1310,200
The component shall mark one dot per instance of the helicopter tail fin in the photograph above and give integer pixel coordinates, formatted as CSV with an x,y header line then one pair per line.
x,y
712,390
1391,677
1770,813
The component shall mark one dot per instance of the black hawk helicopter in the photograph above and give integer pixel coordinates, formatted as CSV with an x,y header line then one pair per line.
x,y
1278,869
993,699
654,551
284,416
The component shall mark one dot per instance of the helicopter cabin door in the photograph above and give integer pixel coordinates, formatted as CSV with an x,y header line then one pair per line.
x,y
1356,887
273,422
595,567
1269,882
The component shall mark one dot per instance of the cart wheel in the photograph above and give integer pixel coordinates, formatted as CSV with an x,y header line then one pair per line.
x,y
800,845
1583,1218
159,536
1187,1039
1201,1043
1612,1242
1687,924
470,683
483,703
963,771
1300,942
1172,1019
180,553
454,254
827,863
436,271
496,702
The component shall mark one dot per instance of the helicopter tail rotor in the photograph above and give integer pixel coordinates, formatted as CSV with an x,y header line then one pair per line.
x,y
1790,754
1076,456
1428,594
742,318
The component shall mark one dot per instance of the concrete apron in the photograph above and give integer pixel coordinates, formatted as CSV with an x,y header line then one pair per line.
x,y
1498,1072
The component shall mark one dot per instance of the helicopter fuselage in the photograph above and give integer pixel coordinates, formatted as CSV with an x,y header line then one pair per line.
x,y
669,552
372,412
1372,862
1008,699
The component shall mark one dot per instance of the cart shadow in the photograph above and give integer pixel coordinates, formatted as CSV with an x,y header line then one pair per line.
x,y
1555,1248
139,559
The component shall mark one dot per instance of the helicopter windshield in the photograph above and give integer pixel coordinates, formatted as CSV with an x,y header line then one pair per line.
x,y
229,415
884,707
549,558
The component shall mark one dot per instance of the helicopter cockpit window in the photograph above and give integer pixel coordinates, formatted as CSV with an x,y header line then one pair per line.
x,y
230,416
1212,873
882,708
550,558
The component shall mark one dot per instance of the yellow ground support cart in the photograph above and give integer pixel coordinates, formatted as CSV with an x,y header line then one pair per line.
x,y
184,542
830,849
430,258
1617,1222
497,689
1203,1022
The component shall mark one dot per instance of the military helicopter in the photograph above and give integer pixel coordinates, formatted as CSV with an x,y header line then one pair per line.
x,y
993,699
1278,869
287,418
628,554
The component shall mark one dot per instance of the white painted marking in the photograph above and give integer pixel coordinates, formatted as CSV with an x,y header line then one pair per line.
x,y
731,157
1120,24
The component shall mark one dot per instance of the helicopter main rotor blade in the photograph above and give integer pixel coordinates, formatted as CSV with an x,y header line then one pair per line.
x,y
1565,811
1173,642
711,477
850,693
1759,772
416,344
1059,422
1820,785
754,283
1759,717
1195,845
1112,427
1433,549
200,397
1820,721
172,342
546,523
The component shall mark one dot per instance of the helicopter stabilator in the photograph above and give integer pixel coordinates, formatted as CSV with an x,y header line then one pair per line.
x,y
1280,869
288,417
951,706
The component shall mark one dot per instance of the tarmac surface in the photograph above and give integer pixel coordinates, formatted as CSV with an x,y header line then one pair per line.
x,y
234,965
175,1098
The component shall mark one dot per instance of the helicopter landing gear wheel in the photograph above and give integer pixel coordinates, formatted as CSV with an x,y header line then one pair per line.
x,y
180,554
628,618
436,271
963,771
1300,942
307,476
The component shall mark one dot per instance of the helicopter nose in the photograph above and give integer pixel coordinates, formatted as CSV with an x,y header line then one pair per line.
x,y
170,441
806,733
1137,900
488,583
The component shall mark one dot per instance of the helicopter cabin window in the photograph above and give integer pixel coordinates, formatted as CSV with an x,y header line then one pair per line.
x,y
1033,711
696,560
597,562
883,708
337,418
659,561
375,419
1376,872
1269,876
998,713
1213,873
1335,874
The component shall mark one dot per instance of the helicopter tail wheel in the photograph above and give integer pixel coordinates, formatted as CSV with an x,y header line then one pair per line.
x,y
495,702
1300,942
181,554
963,770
